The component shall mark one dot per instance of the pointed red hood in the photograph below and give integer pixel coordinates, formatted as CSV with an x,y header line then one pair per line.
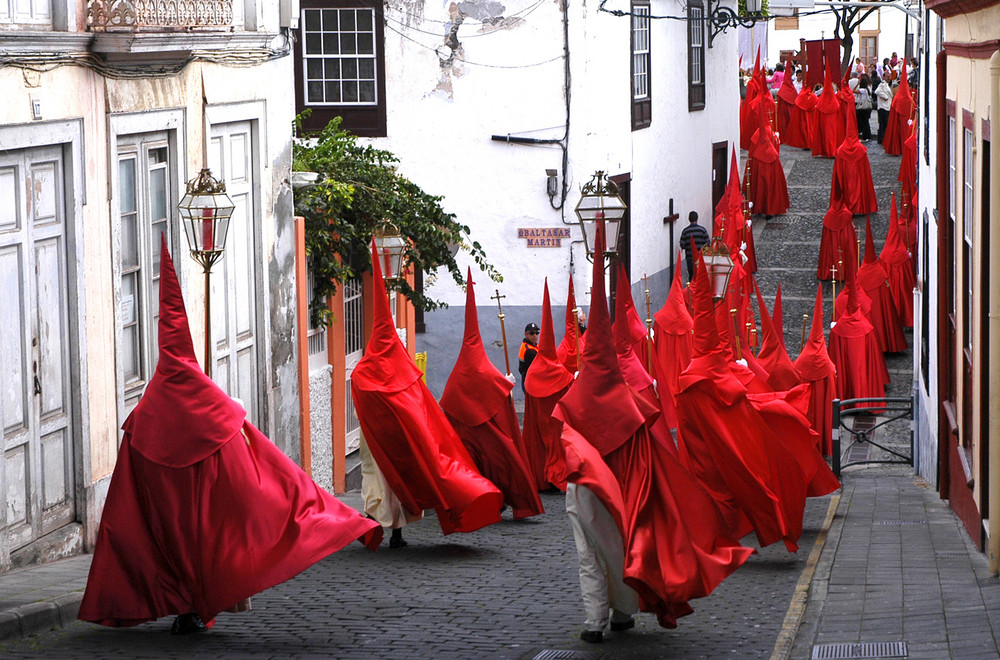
x,y
807,99
599,404
762,147
828,101
902,101
893,251
772,355
547,375
837,216
814,361
629,333
853,322
872,273
567,349
787,91
674,317
183,416
731,202
386,366
476,389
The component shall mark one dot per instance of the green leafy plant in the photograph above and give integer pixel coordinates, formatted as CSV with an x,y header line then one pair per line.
x,y
357,190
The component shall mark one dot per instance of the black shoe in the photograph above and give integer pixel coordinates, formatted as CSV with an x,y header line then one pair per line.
x,y
186,624
619,626
592,636
396,540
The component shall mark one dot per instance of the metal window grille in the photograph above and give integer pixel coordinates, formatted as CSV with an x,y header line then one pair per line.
x,y
640,52
697,46
338,55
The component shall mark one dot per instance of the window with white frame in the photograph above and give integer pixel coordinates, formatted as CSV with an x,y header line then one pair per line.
x,y
145,212
340,65
696,55
952,203
25,12
968,206
641,62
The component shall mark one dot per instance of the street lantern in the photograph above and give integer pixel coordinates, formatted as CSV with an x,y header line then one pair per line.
x,y
390,246
205,210
719,266
600,202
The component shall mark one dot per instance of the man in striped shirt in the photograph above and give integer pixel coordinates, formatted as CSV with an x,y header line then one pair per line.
x,y
700,236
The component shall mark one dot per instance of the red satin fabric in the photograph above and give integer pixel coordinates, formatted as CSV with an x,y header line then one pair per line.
x,y
852,177
838,238
874,281
907,176
420,455
768,189
570,348
817,369
897,262
861,370
178,535
828,128
672,345
900,111
798,132
785,101
772,355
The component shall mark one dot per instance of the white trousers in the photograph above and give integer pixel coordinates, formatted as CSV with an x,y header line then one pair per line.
x,y
602,560
380,502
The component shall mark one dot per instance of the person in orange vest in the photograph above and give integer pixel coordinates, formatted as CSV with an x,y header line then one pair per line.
x,y
528,351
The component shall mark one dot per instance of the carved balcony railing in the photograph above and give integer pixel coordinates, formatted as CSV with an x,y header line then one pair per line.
x,y
123,15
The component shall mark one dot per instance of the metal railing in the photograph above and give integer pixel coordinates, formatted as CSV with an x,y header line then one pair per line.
x,y
876,413
114,15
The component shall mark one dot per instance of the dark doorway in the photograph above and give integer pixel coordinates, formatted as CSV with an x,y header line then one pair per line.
x,y
720,172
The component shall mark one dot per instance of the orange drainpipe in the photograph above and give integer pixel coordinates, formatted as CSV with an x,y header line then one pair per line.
x,y
302,332
336,350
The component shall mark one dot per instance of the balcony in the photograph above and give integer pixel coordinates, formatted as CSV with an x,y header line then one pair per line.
x,y
159,15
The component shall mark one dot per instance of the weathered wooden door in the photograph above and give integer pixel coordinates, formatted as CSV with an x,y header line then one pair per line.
x,y
234,290
37,401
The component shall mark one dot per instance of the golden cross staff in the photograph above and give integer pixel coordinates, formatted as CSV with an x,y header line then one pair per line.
x,y
503,329
736,327
649,327
833,276
576,324
802,342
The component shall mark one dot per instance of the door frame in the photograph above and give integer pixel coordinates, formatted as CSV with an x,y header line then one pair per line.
x,y
69,136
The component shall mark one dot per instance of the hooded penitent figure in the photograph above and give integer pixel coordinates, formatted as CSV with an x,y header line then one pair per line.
x,y
772,355
421,457
816,368
861,370
828,127
630,331
900,112
837,239
203,510
672,342
874,281
767,188
798,132
785,102
750,105
732,221
852,173
570,348
727,445
477,402
675,546
545,384
908,182
897,262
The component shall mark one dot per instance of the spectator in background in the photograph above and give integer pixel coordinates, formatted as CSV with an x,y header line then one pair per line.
x,y
775,80
863,107
883,100
859,67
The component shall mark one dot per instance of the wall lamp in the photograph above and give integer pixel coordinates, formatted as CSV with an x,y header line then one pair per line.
x,y
721,18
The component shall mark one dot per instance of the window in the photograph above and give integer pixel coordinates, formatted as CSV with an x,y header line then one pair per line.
x,y
25,12
696,55
340,65
641,102
951,206
968,204
868,49
145,211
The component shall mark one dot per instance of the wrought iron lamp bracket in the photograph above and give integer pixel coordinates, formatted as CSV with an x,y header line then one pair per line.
x,y
721,18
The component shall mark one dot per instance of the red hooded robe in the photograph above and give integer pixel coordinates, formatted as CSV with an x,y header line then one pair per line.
x,y
676,545
546,382
571,347
785,102
874,281
817,369
203,510
838,238
897,261
772,355
768,190
420,455
477,402
900,111
798,133
828,128
750,106
672,341
852,173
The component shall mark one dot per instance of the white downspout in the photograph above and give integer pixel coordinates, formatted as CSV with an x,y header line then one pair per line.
x,y
993,382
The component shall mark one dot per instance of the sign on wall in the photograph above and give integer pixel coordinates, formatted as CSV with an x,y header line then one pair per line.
x,y
543,237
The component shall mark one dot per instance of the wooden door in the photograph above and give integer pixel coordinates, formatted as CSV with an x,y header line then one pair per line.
x,y
234,285
37,399
720,175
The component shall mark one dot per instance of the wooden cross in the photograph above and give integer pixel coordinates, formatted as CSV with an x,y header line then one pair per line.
x,y
503,328
672,217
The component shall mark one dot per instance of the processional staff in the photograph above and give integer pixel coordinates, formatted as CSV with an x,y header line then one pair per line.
x,y
503,328
576,324
802,342
649,327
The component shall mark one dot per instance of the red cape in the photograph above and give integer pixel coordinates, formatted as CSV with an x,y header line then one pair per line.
x,y
546,382
420,455
837,239
852,177
908,165
900,111
828,127
897,262
672,342
874,281
768,190
861,370
798,132
817,369
676,546
476,400
203,510
571,346
785,101
772,355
